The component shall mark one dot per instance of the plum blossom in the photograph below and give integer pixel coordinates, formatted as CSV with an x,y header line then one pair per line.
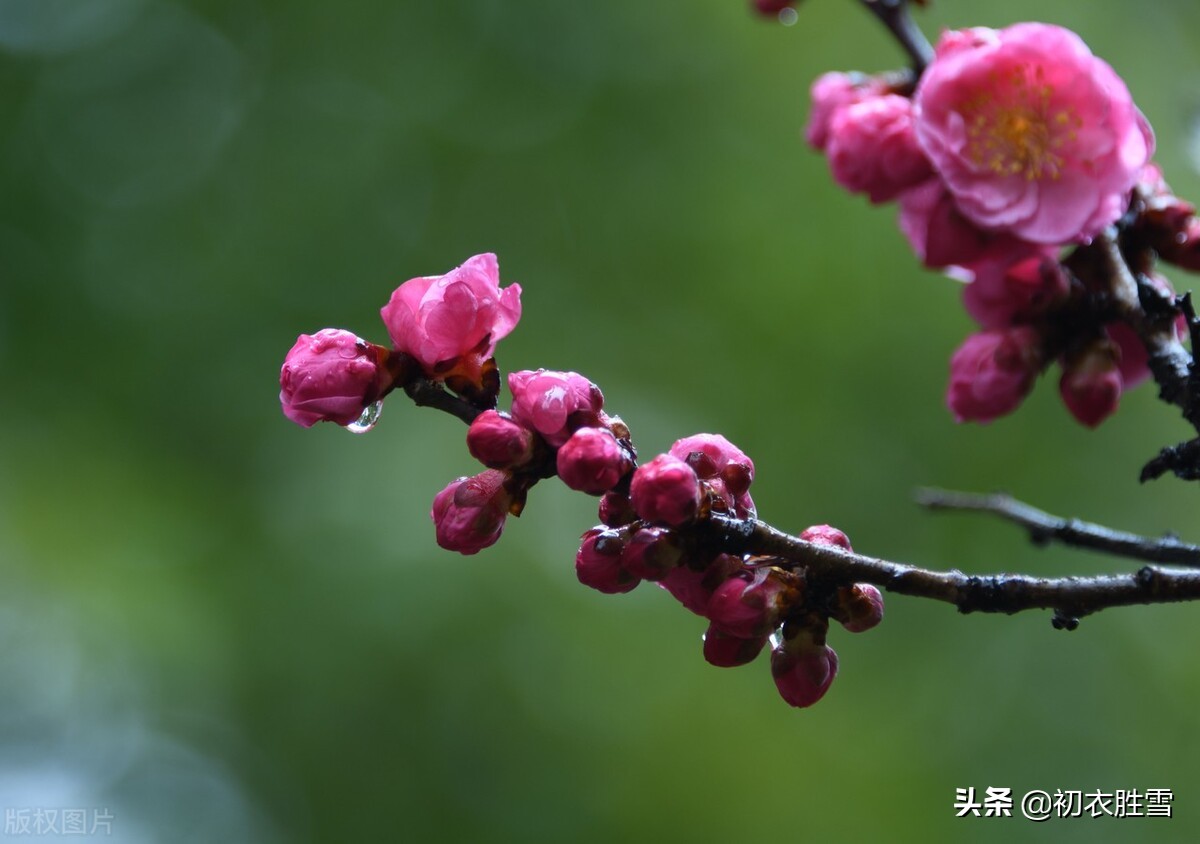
x,y
453,318
469,513
872,148
1031,133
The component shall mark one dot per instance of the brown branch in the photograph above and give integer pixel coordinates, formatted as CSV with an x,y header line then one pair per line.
x,y
1045,528
893,14
1069,597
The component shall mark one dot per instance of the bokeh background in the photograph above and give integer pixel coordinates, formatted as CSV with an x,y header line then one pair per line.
x,y
217,626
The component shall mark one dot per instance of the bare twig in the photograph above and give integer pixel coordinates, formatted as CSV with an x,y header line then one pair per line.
x,y
1045,528
894,15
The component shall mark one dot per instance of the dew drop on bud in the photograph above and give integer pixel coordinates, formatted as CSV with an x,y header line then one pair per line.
x,y
366,422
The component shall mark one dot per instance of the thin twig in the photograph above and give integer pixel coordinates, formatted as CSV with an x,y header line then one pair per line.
x,y
1045,528
894,15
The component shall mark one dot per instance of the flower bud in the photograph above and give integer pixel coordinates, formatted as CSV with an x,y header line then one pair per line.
x,y
651,553
859,607
331,376
665,490
598,563
1091,383
991,372
1014,281
592,461
694,588
753,602
873,149
498,442
935,228
711,455
469,513
831,92
554,403
803,670
616,510
725,651
826,535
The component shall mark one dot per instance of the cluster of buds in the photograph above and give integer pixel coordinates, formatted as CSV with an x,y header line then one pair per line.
x,y
444,331
654,533
1013,146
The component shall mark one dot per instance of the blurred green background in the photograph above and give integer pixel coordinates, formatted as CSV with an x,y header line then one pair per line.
x,y
218,626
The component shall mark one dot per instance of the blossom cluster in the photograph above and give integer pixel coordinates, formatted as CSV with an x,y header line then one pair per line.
x,y
444,331
1013,147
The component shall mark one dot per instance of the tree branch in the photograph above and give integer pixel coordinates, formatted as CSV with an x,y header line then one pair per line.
x,y
893,14
1045,528
1069,597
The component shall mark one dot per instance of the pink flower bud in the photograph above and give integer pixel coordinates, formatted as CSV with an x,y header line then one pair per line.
x,y
665,490
873,149
1032,134
498,442
462,314
598,563
725,651
831,92
992,372
753,602
651,553
592,461
937,231
1091,383
331,376
803,674
859,607
616,510
469,513
826,535
1014,281
554,403
694,588
711,455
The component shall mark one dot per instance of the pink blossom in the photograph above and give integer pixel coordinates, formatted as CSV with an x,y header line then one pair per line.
x,y
725,651
665,490
1032,134
803,674
592,461
1014,281
462,314
711,455
873,149
554,403
330,376
859,607
831,92
469,513
937,231
991,372
498,442
598,563
651,553
1091,383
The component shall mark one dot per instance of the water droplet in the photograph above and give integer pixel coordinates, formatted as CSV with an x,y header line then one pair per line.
x,y
366,422
788,16
775,639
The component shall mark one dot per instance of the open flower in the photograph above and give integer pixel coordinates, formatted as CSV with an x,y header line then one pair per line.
x,y
453,320
1032,134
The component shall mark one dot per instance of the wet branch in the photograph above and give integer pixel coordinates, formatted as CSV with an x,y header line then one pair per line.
x,y
893,14
1069,597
